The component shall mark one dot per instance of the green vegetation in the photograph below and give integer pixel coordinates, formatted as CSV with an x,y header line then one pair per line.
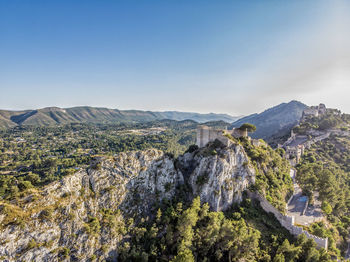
x,y
32,244
324,173
53,116
330,181
178,229
272,173
248,127
46,214
330,120
112,221
245,233
92,227
35,156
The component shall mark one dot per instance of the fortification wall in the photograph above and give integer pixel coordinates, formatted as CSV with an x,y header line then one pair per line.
x,y
287,221
237,133
206,135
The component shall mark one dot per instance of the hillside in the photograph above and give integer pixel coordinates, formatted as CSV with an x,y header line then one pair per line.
x,y
324,173
47,153
54,115
274,121
148,206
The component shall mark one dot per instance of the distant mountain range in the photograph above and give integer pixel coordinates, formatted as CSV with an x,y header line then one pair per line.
x,y
275,121
54,115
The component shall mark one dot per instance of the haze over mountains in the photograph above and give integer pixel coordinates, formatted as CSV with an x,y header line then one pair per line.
x,y
276,120
54,115
79,192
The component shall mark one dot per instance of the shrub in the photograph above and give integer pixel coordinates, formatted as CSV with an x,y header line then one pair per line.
x,y
31,244
249,127
213,152
64,252
46,214
326,207
202,179
23,185
168,186
92,227
33,178
97,166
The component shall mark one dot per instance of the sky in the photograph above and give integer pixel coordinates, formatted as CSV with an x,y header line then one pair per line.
x,y
235,57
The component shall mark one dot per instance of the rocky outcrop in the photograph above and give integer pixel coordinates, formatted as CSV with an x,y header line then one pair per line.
x,y
220,177
82,216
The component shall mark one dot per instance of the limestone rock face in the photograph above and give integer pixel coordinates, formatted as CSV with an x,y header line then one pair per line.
x,y
220,178
81,217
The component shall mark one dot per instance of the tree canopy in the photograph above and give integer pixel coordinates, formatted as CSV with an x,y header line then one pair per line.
x,y
249,127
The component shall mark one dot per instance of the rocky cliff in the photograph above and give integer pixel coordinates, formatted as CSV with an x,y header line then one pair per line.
x,y
86,215
217,175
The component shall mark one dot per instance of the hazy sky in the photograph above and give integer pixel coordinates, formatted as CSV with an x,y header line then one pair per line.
x,y
235,57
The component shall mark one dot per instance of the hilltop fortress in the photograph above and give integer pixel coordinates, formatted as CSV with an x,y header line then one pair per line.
x,y
206,134
315,111
296,144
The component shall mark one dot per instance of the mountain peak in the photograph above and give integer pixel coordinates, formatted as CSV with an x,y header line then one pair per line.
x,y
275,119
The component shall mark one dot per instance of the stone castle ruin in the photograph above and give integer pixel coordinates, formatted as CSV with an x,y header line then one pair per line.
x,y
296,144
206,134
294,153
315,111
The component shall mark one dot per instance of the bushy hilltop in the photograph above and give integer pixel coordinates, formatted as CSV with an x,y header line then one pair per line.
x,y
323,173
147,205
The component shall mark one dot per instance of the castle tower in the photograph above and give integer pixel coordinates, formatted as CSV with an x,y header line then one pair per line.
x,y
203,136
322,109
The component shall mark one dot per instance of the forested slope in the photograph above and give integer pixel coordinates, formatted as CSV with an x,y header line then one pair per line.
x,y
325,172
59,116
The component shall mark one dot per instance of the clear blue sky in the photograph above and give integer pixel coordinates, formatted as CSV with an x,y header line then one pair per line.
x,y
234,57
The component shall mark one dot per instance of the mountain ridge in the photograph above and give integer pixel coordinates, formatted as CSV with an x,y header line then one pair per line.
x,y
275,120
271,123
56,115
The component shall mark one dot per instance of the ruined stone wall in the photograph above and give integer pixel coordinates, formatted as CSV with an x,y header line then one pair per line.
x,y
206,135
310,112
287,221
237,133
